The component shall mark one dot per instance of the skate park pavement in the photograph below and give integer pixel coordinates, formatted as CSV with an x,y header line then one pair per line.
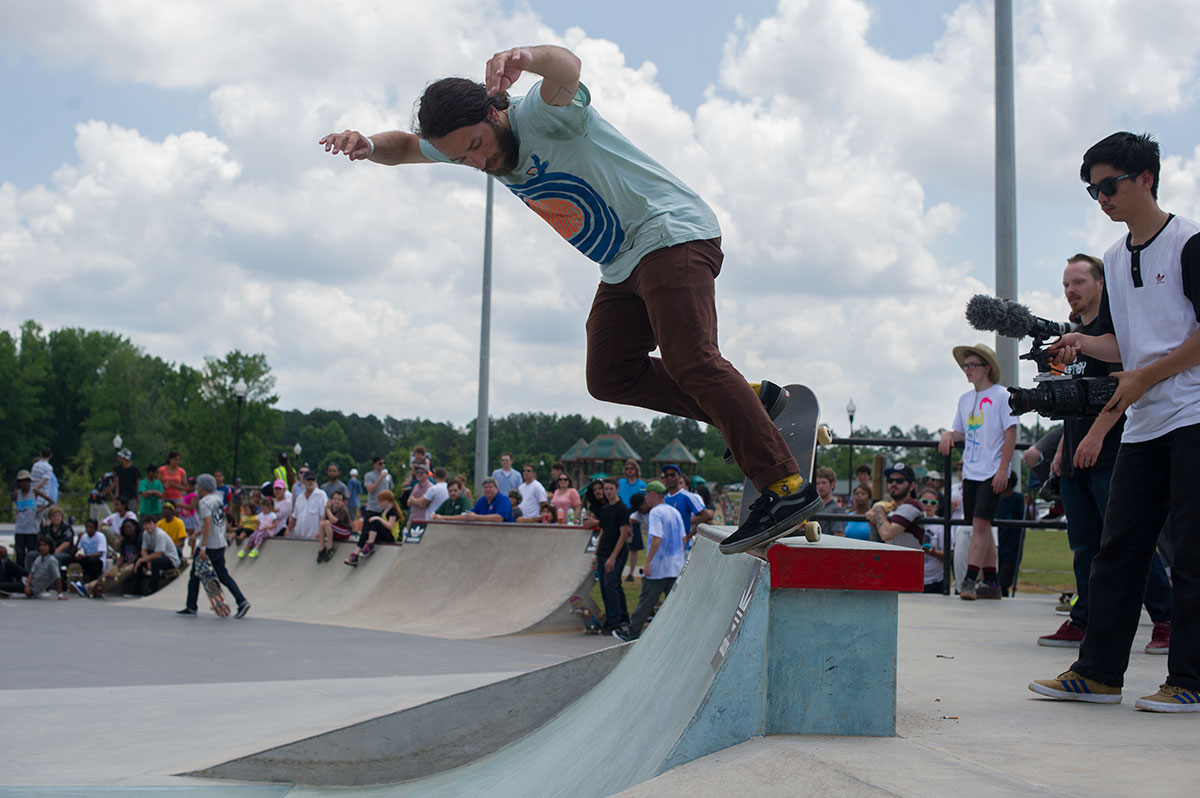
x,y
119,699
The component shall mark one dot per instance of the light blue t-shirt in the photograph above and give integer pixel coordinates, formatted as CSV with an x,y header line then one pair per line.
x,y
627,489
609,199
665,523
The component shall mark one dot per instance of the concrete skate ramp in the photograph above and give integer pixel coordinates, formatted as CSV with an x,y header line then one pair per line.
x,y
463,580
676,695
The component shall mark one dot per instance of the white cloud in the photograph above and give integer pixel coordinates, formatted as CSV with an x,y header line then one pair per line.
x,y
844,179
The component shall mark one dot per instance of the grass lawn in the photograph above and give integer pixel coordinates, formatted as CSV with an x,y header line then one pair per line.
x,y
1046,564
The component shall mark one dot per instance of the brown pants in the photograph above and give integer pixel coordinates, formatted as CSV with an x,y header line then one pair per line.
x,y
670,302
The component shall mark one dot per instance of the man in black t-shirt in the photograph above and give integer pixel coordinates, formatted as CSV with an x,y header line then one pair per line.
x,y
126,474
1084,462
611,553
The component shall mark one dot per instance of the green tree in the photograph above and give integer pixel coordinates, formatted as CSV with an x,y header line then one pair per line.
x,y
21,409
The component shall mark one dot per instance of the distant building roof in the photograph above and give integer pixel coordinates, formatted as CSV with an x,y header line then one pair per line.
x,y
606,447
674,452
573,453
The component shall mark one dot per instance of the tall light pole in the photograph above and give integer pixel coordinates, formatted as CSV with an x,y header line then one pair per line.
x,y
239,392
485,334
850,408
1006,184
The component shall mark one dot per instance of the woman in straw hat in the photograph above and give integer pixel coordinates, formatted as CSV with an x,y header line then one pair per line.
x,y
988,431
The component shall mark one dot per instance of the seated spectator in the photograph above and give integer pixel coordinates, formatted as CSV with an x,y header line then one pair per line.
x,y
455,505
861,503
158,554
934,553
173,526
110,525
12,575
283,502
59,533
565,499
547,513
514,500
249,520
44,571
120,567
491,505
91,552
268,527
380,528
335,526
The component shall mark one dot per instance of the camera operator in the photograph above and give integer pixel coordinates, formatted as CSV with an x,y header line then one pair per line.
x,y
1153,291
1084,462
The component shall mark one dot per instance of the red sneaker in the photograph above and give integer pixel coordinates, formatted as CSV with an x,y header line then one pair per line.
x,y
1160,638
1067,635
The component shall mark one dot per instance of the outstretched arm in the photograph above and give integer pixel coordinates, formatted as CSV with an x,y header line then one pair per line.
x,y
558,66
390,149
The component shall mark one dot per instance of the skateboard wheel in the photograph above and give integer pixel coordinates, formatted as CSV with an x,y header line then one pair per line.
x,y
812,531
824,435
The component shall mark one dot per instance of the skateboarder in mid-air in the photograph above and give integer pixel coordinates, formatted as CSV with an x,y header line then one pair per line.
x,y
657,244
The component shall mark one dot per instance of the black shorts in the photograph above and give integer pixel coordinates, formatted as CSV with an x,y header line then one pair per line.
x,y
635,541
979,500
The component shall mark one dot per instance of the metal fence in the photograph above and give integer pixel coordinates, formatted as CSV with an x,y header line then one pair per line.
x,y
945,523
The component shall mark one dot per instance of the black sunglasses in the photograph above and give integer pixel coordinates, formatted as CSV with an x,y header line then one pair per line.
x,y
896,480
1107,186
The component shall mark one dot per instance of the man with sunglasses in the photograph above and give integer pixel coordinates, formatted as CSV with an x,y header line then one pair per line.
x,y
900,519
532,493
1152,287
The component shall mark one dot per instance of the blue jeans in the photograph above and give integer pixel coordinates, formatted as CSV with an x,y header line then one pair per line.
x,y
1085,498
217,558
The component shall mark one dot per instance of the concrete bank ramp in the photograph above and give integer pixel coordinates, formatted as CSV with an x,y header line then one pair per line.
x,y
463,580
684,690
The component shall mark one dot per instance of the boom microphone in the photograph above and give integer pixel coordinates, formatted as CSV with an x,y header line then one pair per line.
x,y
1012,319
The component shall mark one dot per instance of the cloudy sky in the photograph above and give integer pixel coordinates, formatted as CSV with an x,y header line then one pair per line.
x,y
163,179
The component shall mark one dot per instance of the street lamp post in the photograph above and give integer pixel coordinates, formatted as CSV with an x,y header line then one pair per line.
x,y
850,408
239,392
117,441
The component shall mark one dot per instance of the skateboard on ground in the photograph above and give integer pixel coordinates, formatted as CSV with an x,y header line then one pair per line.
x,y
212,587
798,423
591,626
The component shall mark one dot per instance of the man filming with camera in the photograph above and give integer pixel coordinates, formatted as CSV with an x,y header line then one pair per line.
x,y
1084,461
1153,291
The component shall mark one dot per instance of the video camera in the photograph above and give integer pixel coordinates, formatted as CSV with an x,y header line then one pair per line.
x,y
1059,395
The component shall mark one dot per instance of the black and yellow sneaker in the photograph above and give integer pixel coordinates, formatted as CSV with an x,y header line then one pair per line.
x,y
773,397
1072,686
782,507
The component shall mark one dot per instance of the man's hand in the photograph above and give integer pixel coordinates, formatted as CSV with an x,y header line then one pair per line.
x,y
200,554
1132,384
1088,451
351,143
1056,463
1065,349
609,564
646,570
505,67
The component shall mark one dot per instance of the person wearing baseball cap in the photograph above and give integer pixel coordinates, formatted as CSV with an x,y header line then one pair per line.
x,y
898,520
987,429
208,543
664,557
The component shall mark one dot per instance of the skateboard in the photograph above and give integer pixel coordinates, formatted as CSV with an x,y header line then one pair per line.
x,y
208,577
801,431
591,626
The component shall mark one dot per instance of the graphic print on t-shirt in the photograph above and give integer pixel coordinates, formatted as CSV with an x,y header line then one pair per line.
x,y
574,209
974,422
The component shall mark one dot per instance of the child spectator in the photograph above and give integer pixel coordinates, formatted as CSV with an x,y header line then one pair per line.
x,y
25,528
268,527
91,552
150,493
173,526
354,487
43,572
249,520
12,575
110,525
934,554
60,535
187,508
334,526
381,528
